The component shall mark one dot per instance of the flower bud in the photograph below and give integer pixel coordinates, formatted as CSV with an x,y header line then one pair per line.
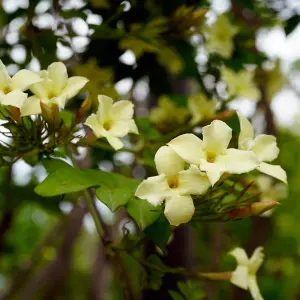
x,y
50,113
14,112
255,209
84,109
216,275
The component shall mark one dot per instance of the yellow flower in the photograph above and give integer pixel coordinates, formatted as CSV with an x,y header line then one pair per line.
x,y
168,115
263,146
220,35
244,275
55,88
240,84
212,154
112,120
175,185
201,108
12,88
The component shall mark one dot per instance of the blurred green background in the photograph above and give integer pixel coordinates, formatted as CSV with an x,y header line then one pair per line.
x,y
141,50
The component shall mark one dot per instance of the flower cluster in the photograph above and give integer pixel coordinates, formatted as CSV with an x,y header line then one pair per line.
x,y
51,86
168,115
207,160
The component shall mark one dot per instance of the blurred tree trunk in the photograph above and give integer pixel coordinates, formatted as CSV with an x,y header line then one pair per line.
x,y
180,250
51,279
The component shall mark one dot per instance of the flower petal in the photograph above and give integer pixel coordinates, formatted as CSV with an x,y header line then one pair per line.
x,y
132,127
59,76
42,89
32,106
105,106
23,79
213,171
256,260
265,147
115,142
238,161
154,189
240,255
5,80
92,122
74,85
122,110
246,133
189,147
192,182
216,137
168,162
119,128
240,277
254,289
15,98
273,170
179,209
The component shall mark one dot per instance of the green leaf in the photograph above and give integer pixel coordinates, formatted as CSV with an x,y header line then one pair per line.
x,y
67,118
72,13
114,198
143,213
155,276
65,180
146,129
175,295
291,24
52,165
159,232
192,290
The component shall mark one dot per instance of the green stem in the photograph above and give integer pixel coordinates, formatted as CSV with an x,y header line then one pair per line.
x,y
92,209
89,202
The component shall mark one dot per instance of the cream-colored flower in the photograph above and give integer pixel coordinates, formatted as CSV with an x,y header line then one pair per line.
x,y
56,88
244,275
201,108
175,185
12,88
212,154
220,36
112,120
241,84
263,146
167,115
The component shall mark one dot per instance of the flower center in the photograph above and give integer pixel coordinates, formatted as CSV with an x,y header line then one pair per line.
x,y
6,90
51,95
107,125
173,181
210,157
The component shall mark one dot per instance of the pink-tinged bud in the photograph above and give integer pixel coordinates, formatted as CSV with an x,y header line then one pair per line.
x,y
225,115
255,209
50,113
14,112
84,109
258,208
217,275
